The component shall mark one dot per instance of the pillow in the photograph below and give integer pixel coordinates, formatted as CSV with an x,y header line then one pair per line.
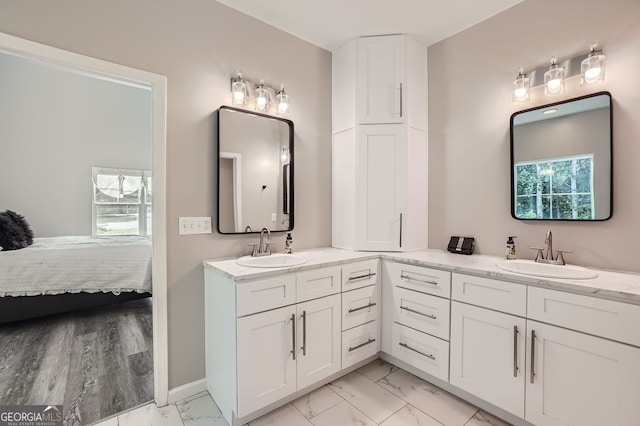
x,y
15,232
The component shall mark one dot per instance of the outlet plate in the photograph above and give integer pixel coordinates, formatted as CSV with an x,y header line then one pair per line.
x,y
194,225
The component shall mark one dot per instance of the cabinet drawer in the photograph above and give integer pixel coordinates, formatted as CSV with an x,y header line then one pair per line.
x,y
359,306
317,283
426,313
359,274
262,295
607,318
421,350
359,343
493,294
419,278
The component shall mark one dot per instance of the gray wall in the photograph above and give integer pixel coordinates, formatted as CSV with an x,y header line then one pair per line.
x,y
198,45
470,76
54,126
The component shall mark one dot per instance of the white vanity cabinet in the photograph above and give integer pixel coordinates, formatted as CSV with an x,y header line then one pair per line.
x,y
419,308
379,169
582,379
488,340
269,339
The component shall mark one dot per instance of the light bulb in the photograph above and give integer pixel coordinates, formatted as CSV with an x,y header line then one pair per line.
x,y
262,97
554,79
283,101
521,87
238,90
592,67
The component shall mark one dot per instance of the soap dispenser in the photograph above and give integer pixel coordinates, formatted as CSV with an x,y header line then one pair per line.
x,y
288,244
511,248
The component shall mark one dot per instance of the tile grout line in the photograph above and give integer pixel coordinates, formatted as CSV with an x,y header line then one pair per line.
x,y
474,414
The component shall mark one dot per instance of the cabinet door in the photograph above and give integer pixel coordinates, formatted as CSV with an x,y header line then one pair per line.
x,y
488,355
577,379
266,365
380,187
319,335
380,80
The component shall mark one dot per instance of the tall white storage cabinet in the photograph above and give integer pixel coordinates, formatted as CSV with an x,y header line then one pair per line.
x,y
379,168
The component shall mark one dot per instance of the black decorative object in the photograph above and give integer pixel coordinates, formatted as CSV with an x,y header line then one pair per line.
x,y
15,232
461,245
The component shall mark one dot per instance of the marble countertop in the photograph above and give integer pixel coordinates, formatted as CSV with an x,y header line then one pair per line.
x,y
620,286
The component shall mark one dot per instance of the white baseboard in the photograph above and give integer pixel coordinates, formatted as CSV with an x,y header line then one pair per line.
x,y
185,391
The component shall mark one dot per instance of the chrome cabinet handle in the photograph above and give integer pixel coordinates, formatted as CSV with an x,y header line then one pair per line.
x,y
404,345
362,307
515,351
533,353
401,213
418,312
401,106
293,334
304,333
362,277
407,277
368,342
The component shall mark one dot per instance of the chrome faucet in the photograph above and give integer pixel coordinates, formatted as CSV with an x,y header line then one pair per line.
x,y
549,258
262,247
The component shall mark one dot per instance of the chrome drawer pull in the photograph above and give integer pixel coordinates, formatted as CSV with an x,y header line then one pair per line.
x,y
361,345
533,356
293,335
407,277
362,277
515,351
362,307
418,312
304,333
404,345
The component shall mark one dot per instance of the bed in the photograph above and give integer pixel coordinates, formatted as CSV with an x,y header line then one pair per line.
x,y
59,274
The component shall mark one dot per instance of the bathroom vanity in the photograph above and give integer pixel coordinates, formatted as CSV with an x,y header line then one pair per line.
x,y
531,350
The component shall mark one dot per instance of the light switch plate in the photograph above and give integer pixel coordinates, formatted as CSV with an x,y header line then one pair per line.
x,y
194,225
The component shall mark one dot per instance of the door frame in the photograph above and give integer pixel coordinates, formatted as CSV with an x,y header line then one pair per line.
x,y
86,65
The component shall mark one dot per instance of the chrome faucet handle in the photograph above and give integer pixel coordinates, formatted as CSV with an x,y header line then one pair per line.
x,y
539,253
560,257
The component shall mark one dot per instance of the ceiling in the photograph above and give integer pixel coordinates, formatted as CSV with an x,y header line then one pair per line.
x,y
331,23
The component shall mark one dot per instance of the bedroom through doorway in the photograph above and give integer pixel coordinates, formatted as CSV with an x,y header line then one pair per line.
x,y
76,320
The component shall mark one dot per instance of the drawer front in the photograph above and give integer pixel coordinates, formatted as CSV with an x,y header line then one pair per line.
x,y
359,343
421,350
262,295
317,283
359,306
606,318
426,313
419,278
493,294
359,274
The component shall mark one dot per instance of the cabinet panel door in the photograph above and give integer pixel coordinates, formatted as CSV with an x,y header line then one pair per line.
x,y
380,79
421,350
266,368
360,306
580,380
319,349
318,283
381,189
426,313
359,343
488,355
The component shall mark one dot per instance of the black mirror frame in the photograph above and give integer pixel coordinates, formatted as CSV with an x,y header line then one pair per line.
x,y
511,162
291,167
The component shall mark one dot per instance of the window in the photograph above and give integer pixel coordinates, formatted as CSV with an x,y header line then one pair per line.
x,y
121,201
560,188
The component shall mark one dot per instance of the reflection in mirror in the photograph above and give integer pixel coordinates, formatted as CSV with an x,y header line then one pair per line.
x,y
561,160
255,172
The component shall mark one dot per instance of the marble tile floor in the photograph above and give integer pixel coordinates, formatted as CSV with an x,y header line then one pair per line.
x,y
376,394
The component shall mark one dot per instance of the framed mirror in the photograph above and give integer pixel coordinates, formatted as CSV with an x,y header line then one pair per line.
x,y
562,160
255,172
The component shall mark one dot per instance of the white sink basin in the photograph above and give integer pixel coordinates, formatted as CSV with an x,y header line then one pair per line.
x,y
529,267
277,260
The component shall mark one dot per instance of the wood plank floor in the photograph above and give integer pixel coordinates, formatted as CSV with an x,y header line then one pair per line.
x,y
96,362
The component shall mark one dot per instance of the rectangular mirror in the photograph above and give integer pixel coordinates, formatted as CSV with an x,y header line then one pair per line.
x,y
255,172
561,160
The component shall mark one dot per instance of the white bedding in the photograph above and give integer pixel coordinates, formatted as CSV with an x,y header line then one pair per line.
x,y
74,264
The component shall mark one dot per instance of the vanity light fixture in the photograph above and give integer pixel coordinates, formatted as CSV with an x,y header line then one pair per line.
x,y
589,66
554,78
521,87
263,95
282,102
592,67
238,90
284,154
